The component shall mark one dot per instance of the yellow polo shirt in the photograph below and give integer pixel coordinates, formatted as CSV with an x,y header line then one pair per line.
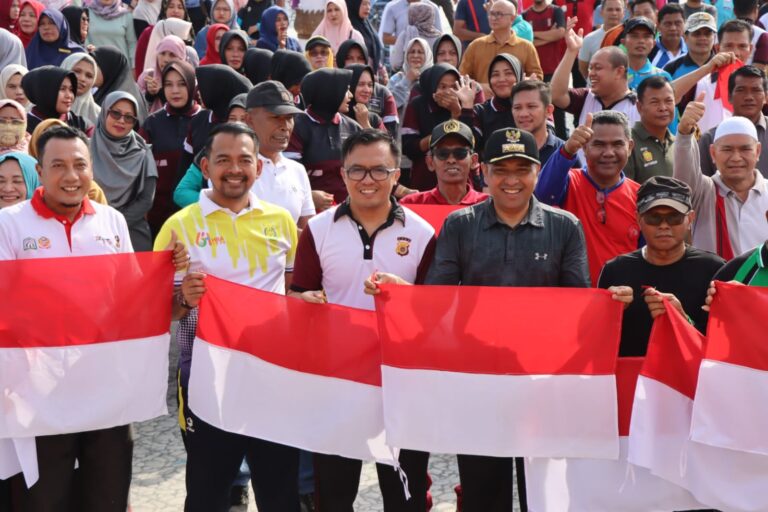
x,y
482,50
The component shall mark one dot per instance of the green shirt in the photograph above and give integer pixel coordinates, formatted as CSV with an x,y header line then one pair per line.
x,y
650,156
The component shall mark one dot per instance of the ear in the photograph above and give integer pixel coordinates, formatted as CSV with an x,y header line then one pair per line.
x,y
550,110
430,162
486,171
39,169
631,145
204,167
259,167
395,179
712,152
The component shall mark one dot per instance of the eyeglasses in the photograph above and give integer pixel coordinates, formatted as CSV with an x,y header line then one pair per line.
x,y
498,14
11,120
672,219
358,173
602,215
445,153
114,114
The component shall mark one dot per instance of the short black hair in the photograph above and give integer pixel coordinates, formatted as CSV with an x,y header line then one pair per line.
x,y
612,117
735,26
545,93
58,132
635,3
230,129
670,9
366,138
654,82
743,8
747,71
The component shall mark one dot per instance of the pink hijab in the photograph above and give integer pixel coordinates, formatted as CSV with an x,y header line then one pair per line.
x,y
338,34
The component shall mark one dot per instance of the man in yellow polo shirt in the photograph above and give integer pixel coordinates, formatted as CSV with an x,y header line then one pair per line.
x,y
232,235
502,39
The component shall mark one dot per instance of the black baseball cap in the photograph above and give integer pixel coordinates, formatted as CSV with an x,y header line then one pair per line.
x,y
640,21
664,191
317,40
451,127
510,143
274,97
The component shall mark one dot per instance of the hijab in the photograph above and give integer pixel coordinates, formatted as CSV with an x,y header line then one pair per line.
x,y
238,101
517,68
41,85
17,138
28,172
370,36
5,15
232,23
211,54
74,17
225,40
164,7
109,12
338,34
432,80
41,128
357,72
172,26
39,8
421,22
116,72
344,49
12,49
39,53
268,30
187,72
289,68
453,39
258,65
7,73
147,10
323,91
218,84
120,165
84,106
428,58
171,44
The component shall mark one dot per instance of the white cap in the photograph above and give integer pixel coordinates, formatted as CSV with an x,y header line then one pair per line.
x,y
736,125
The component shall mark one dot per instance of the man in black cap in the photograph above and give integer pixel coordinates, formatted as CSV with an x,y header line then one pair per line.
x,y
510,239
640,40
451,157
665,268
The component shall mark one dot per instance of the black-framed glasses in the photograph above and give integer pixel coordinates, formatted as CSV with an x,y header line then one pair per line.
x,y
602,215
114,114
446,153
358,173
672,219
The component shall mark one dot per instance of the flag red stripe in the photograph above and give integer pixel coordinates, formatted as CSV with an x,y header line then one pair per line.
x,y
503,331
320,339
736,329
435,214
627,371
56,302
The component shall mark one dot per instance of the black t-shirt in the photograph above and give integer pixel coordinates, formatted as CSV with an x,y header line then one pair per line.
x,y
688,279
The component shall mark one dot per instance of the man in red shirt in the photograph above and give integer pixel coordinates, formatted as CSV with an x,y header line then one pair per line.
x,y
451,157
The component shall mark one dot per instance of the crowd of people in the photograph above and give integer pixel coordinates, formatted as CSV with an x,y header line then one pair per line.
x,y
208,123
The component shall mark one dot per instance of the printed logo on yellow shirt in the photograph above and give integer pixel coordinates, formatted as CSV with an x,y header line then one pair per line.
x,y
204,239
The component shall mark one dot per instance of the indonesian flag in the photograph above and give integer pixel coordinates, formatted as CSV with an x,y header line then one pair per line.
x,y
490,371
562,485
281,369
435,214
661,424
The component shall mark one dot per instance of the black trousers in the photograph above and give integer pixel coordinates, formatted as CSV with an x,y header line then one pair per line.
x,y
213,462
338,478
487,483
101,482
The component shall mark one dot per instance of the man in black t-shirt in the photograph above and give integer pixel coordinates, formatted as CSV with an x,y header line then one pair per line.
x,y
665,268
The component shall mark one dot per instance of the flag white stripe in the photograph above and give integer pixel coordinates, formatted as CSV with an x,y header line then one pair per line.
x,y
9,461
501,415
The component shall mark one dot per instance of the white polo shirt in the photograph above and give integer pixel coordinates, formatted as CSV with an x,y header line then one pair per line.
x,y
747,220
32,230
285,184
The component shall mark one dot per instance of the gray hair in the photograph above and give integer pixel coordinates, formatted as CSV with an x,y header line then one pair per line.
x,y
612,117
616,56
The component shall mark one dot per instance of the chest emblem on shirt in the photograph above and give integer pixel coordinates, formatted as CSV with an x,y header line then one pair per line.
x,y
270,232
43,243
647,155
204,239
540,256
29,244
403,246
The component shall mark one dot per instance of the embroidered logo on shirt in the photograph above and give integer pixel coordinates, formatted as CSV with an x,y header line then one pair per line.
x,y
43,243
29,244
106,240
538,256
270,231
204,239
403,246
647,155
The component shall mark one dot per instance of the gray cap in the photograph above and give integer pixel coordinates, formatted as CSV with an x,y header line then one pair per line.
x,y
699,20
274,97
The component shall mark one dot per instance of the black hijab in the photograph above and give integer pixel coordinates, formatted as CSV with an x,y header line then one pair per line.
x,y
345,47
187,72
41,85
226,38
324,90
258,65
238,101
218,84
289,67
372,41
357,72
447,37
436,73
73,14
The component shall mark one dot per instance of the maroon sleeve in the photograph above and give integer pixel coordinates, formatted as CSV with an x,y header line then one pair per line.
x,y
426,261
578,98
295,145
390,107
307,271
761,50
141,50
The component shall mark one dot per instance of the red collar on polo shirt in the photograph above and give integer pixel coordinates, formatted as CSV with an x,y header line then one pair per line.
x,y
45,212
471,197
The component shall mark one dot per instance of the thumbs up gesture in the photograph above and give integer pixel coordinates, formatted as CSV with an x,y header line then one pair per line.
x,y
180,254
693,113
579,137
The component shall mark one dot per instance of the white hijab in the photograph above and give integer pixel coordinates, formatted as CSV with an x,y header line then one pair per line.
x,y
84,106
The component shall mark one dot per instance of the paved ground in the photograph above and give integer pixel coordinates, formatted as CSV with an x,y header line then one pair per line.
x,y
159,459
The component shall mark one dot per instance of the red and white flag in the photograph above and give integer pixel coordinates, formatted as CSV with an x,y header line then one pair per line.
x,y
435,214
661,424
278,368
83,342
598,485
491,371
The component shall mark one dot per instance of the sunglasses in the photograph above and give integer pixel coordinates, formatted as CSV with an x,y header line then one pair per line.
x,y
672,219
114,114
376,173
445,153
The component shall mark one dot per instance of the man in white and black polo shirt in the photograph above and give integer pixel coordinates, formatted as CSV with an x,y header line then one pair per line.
x,y
337,252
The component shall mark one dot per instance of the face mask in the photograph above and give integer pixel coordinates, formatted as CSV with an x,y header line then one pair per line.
x,y
10,134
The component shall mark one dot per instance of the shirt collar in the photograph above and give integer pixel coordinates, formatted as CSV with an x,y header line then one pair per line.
x,y
597,187
643,133
207,206
552,140
281,163
42,209
534,216
469,198
396,212
760,185
683,47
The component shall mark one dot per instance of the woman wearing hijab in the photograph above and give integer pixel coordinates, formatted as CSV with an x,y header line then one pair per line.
x,y
150,82
273,34
213,44
13,127
165,130
172,26
9,14
111,24
51,45
84,68
115,75
361,87
52,91
336,26
175,10
124,167
78,20
289,68
258,65
10,84
421,23
232,48
26,26
504,72
145,14
222,11
18,178
11,49
418,57
358,15
319,132
445,95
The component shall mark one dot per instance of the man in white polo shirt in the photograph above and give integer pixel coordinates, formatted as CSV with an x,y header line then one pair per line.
x,y
337,252
60,221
